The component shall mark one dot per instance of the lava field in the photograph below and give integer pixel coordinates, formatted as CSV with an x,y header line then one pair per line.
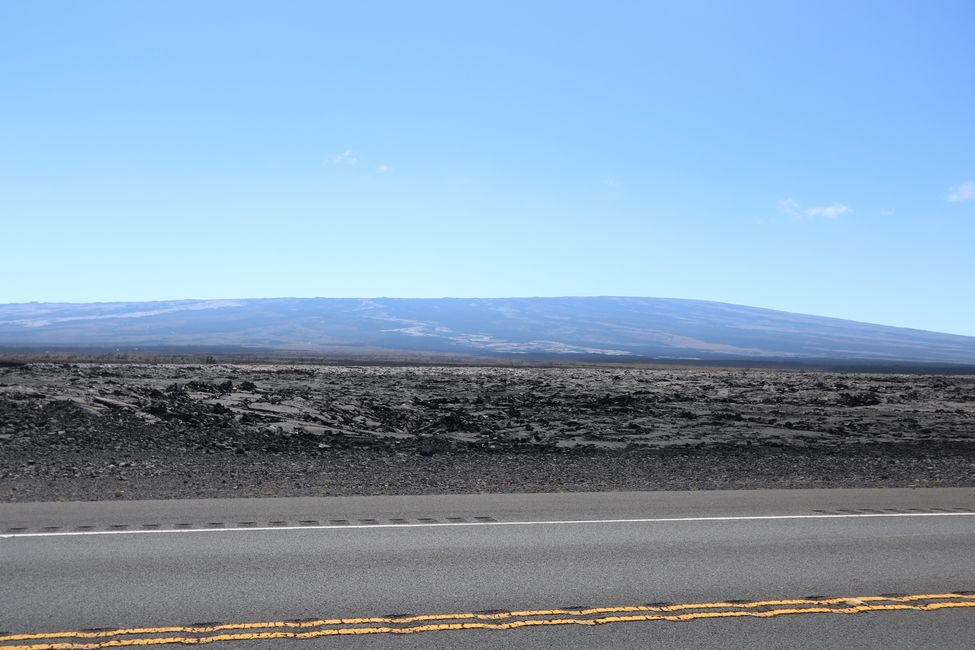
x,y
159,430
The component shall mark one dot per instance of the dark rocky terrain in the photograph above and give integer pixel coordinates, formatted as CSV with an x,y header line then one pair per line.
x,y
89,431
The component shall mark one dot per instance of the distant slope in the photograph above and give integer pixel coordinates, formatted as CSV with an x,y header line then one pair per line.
x,y
614,327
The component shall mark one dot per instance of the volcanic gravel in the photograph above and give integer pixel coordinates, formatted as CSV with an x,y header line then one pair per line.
x,y
106,431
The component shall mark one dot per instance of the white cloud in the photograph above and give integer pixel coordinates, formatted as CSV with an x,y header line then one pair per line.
x,y
793,208
790,207
614,182
887,212
383,168
347,157
830,212
962,192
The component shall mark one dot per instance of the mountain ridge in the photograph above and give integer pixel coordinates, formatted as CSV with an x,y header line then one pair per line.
x,y
614,327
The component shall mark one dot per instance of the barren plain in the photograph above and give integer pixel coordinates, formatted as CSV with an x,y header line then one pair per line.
x,y
107,431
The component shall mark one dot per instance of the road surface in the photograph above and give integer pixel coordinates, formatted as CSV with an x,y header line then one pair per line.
x,y
791,568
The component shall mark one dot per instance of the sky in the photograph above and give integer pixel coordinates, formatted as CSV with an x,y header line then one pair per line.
x,y
813,157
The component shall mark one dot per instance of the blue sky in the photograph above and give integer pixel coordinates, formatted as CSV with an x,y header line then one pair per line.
x,y
816,157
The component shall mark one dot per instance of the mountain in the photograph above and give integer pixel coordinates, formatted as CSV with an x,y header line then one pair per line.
x,y
611,327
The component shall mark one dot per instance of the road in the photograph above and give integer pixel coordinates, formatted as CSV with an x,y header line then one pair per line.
x,y
658,568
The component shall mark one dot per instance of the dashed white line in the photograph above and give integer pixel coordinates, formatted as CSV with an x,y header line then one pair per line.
x,y
562,522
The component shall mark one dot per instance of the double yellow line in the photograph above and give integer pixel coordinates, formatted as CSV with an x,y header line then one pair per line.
x,y
510,620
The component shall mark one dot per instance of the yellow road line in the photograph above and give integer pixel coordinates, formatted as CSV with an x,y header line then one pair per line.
x,y
855,605
198,629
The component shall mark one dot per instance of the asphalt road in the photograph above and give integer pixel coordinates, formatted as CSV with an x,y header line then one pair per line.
x,y
70,567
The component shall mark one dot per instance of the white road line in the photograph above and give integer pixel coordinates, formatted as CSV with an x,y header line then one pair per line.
x,y
563,522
